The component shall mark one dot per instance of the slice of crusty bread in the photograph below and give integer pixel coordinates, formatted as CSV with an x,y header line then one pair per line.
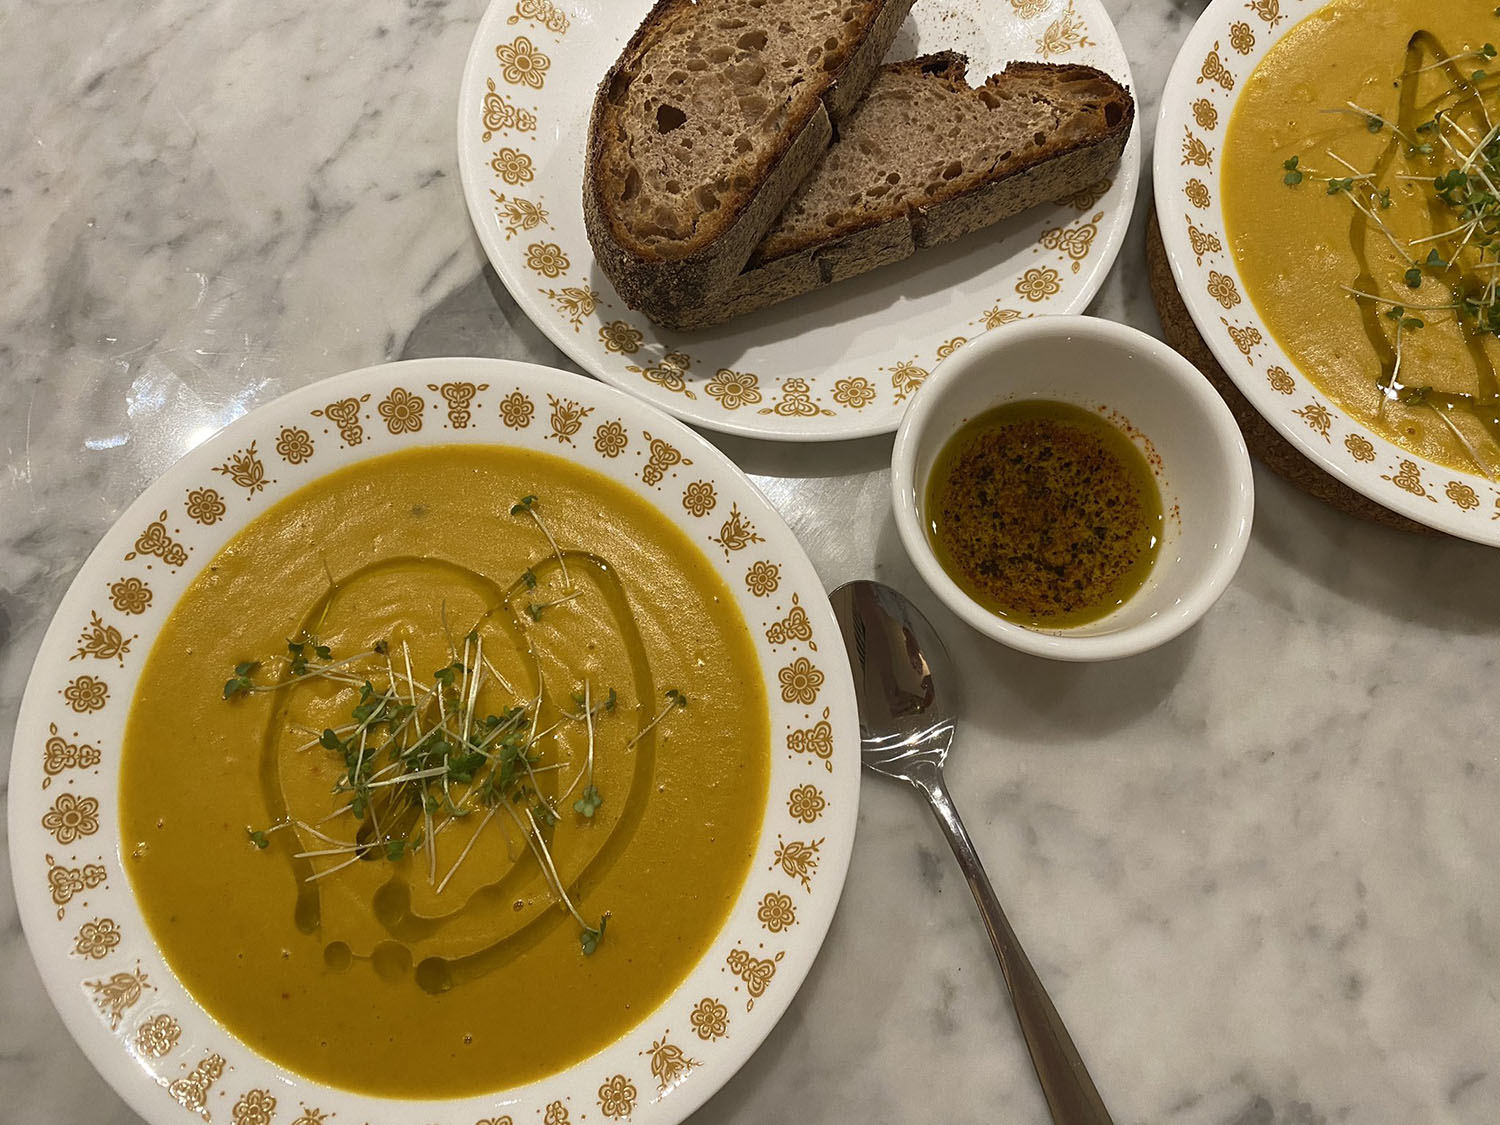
x,y
713,114
925,159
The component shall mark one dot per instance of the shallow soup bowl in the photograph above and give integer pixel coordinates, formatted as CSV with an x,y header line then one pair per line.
x,y
1169,412
86,920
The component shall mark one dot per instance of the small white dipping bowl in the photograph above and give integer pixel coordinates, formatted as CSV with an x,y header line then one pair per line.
x,y
1167,408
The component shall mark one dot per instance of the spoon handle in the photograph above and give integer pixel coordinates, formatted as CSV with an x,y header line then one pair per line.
x,y
1069,1090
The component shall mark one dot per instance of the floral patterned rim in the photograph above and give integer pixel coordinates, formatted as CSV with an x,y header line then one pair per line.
x,y
121,1002
1225,45
838,364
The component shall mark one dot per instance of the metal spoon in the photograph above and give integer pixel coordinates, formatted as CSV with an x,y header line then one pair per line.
x,y
905,730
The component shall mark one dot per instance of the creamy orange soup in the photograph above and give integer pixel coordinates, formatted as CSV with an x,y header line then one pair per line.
x,y
378,902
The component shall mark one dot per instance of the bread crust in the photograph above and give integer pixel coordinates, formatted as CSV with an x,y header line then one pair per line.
x,y
857,248
662,286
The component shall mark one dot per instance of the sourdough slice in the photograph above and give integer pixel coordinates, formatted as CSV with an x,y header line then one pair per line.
x,y
713,114
926,159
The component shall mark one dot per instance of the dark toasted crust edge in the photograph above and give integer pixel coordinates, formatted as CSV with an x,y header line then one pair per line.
x,y
662,287
859,248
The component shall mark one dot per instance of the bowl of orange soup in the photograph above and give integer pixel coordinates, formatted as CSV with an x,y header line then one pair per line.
x,y
1325,177
454,737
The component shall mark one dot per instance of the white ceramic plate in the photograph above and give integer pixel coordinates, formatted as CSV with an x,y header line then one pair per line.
x,y
118,997
836,364
1230,38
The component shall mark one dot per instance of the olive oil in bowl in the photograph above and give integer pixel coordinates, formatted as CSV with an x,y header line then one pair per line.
x,y
1044,513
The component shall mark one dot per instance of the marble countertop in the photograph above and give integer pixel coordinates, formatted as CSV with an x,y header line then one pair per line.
x,y
1255,867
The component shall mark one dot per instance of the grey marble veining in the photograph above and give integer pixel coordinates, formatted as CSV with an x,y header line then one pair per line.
x,y
1256,867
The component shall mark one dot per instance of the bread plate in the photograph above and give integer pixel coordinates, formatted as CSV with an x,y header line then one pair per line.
x,y
1205,85
167,1056
838,363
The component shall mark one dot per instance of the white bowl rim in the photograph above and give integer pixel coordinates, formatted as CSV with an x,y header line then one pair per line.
x,y
1203,589
117,1062
1185,85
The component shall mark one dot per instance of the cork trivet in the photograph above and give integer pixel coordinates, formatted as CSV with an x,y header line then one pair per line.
x,y
1264,442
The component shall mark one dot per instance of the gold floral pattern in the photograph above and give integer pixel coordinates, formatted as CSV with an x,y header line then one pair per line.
x,y
620,337
1221,288
86,694
504,1119
402,411
800,682
997,316
318,1117
856,392
1064,34
547,259
130,595
710,1019
501,114
1197,194
736,534
516,410
734,389
97,939
816,740
205,506
1039,283
1085,198
460,399
1244,337
1318,418
71,817
544,12
517,214
294,445
906,377
156,1037
1462,495
255,1107
617,1097
699,498
776,912
1214,70
245,468
1408,478
1194,151
663,456
1203,242
806,803
68,882
102,642
1074,242
60,754
1029,9
797,401
795,626
798,859
156,542
610,439
513,166
669,1062
521,64
670,373
574,302
1205,114
1360,448
1241,37
1268,10
555,1114
192,1089
118,994
1281,380
763,578
567,418
756,972
345,415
